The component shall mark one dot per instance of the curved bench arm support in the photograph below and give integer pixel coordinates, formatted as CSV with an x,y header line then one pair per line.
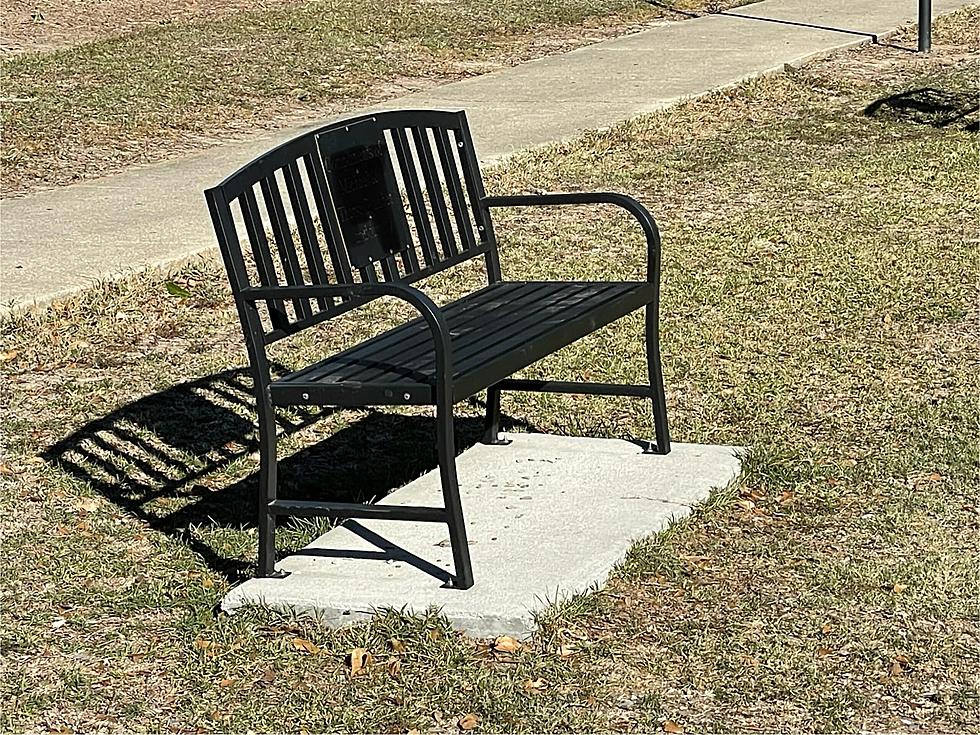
x,y
631,205
418,299
652,327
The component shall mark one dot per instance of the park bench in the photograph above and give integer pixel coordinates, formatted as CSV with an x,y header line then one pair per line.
x,y
367,208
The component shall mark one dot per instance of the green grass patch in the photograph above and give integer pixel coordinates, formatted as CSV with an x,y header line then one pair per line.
x,y
819,308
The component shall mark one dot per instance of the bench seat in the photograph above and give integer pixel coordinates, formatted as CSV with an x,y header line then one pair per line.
x,y
495,332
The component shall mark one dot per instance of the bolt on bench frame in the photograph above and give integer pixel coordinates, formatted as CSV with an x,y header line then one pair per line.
x,y
352,236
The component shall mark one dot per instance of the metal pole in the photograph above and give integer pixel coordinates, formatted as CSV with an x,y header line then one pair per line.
x,y
925,25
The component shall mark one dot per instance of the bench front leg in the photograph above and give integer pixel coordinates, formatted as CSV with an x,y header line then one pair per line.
x,y
446,449
445,434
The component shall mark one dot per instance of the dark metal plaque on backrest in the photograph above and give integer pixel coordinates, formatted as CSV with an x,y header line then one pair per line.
x,y
365,193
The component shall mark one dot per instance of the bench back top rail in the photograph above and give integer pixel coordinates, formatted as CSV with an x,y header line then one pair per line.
x,y
392,196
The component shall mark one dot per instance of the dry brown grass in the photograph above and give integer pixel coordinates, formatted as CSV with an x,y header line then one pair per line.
x,y
820,308
31,26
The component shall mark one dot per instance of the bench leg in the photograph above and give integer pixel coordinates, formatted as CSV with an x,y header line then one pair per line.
x,y
446,446
267,491
655,370
491,426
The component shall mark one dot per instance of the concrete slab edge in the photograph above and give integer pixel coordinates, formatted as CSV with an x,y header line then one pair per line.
x,y
484,626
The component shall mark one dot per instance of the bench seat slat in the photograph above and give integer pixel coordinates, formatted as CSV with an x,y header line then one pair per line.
x,y
510,314
495,331
410,344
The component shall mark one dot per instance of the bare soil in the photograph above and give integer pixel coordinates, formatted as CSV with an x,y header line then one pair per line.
x,y
46,25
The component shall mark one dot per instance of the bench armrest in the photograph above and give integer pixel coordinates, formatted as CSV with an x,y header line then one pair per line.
x,y
425,306
631,205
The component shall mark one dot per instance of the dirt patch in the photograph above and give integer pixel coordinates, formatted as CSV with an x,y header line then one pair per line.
x,y
45,25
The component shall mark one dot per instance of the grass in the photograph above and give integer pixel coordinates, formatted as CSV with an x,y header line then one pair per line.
x,y
90,109
820,308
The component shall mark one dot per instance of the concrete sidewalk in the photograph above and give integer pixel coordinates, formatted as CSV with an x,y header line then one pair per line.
x,y
58,241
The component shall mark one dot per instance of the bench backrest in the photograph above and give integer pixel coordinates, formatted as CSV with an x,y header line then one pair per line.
x,y
392,196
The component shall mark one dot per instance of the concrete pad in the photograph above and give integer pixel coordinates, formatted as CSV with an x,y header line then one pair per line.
x,y
547,517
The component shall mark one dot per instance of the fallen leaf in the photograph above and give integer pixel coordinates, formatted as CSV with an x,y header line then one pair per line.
x,y
394,666
535,686
823,651
301,644
359,660
268,676
397,646
468,722
671,726
787,497
5,469
566,651
435,635
826,628
203,644
225,683
8,355
89,505
506,644
896,668
207,583
899,588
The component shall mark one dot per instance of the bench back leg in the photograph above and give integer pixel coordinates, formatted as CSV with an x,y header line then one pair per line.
x,y
491,426
655,370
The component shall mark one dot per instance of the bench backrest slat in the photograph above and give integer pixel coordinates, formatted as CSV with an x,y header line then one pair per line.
x,y
393,196
305,228
409,171
282,235
437,202
450,171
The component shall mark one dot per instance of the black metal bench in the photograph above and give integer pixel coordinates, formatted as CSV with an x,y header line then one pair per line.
x,y
362,209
